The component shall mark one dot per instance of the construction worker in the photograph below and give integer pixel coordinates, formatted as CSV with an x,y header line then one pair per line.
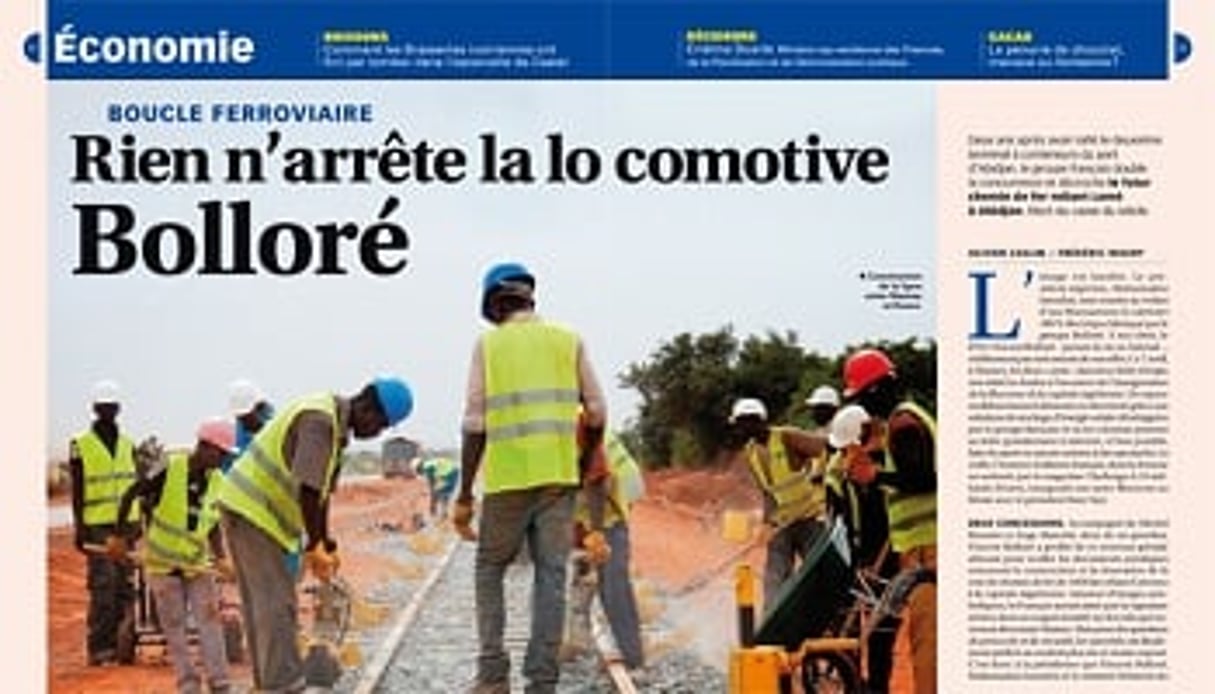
x,y
250,411
101,463
442,476
278,490
903,464
862,507
823,402
784,465
182,550
602,530
526,381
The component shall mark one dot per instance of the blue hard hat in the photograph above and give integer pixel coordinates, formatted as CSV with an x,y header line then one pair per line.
x,y
396,399
499,274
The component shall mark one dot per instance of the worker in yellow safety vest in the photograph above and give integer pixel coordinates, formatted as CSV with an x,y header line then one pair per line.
x,y
862,508
101,463
611,484
279,489
183,550
787,464
442,475
902,461
526,381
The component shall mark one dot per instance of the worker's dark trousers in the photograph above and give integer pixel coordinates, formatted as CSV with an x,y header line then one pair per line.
x,y
785,550
545,517
881,656
618,599
111,596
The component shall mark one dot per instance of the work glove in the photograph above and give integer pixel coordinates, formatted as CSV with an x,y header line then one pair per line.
x,y
862,470
116,548
331,550
461,519
597,549
225,568
320,563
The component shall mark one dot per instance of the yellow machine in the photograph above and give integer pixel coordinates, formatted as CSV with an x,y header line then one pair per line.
x,y
815,632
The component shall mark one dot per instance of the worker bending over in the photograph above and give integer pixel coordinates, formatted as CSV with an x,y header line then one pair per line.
x,y
602,530
278,490
786,464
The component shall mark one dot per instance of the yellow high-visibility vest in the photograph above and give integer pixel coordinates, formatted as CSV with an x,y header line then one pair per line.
x,y
260,487
531,406
106,477
913,517
171,544
795,495
444,467
836,480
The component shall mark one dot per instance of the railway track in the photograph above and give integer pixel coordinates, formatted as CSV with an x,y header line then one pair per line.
x,y
432,645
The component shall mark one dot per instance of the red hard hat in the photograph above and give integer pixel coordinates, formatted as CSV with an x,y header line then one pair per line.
x,y
864,368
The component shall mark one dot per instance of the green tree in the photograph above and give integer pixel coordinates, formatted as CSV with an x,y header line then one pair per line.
x,y
680,386
688,384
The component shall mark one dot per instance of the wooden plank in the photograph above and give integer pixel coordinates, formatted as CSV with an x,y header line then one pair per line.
x,y
616,670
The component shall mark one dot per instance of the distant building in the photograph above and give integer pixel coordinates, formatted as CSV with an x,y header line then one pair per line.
x,y
396,458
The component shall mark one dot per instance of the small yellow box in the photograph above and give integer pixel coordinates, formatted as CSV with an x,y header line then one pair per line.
x,y
736,526
756,670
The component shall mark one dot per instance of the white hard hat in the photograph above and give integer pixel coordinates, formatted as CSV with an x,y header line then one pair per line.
x,y
105,392
824,395
748,406
846,426
243,395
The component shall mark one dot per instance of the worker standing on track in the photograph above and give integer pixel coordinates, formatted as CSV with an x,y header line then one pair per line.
x,y
526,381
442,477
101,463
904,465
785,464
602,530
182,540
278,490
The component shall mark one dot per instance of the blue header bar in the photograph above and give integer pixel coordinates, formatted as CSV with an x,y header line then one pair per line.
x,y
608,39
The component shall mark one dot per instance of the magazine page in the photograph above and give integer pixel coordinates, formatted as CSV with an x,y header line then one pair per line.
x,y
608,346
1075,401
